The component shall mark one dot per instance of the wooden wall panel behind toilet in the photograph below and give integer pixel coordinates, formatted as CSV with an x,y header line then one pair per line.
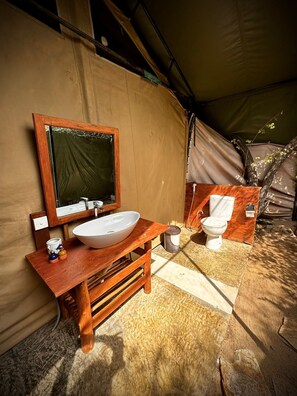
x,y
240,228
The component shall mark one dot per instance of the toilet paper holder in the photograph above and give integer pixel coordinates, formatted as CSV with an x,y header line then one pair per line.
x,y
250,210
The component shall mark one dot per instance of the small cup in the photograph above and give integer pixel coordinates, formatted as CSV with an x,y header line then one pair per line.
x,y
53,245
62,254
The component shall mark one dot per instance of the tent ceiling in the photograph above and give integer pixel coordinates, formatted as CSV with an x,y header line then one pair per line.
x,y
236,60
225,48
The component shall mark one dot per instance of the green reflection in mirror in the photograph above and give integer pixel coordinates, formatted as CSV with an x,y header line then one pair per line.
x,y
82,165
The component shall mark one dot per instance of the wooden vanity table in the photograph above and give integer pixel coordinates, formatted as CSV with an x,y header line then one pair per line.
x,y
92,283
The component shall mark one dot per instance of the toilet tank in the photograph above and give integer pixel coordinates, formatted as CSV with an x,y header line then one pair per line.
x,y
221,206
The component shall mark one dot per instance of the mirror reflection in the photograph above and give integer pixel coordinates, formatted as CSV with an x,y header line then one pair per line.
x,y
79,165
83,167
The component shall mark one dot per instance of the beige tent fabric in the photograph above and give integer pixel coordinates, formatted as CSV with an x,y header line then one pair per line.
x,y
213,160
45,72
127,26
152,145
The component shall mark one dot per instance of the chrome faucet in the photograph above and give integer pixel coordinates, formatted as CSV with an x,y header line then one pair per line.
x,y
85,199
98,205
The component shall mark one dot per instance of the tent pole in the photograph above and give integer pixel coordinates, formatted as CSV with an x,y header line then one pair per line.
x,y
173,60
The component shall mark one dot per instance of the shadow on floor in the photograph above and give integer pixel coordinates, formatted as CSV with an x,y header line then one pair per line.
x,y
199,238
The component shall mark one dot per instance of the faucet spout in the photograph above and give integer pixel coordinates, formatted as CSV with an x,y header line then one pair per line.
x,y
85,199
98,205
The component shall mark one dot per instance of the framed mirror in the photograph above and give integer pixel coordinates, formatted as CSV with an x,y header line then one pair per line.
x,y
79,165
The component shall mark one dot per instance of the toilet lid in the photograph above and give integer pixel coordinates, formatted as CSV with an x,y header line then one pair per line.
x,y
213,221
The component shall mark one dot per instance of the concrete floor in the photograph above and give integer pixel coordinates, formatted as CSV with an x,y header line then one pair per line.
x,y
226,264
211,276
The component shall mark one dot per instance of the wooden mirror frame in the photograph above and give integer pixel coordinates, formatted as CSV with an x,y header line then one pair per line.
x,y
40,122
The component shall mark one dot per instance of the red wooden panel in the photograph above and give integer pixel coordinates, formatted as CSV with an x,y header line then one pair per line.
x,y
240,228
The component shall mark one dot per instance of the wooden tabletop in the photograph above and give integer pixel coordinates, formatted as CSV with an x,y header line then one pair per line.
x,y
83,262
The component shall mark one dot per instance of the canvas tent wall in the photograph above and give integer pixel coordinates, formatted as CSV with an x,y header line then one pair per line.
x,y
43,71
214,160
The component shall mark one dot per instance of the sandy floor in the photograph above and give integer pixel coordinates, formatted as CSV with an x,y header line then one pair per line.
x,y
163,343
226,264
267,295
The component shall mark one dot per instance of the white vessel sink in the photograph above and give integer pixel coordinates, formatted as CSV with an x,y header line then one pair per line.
x,y
107,230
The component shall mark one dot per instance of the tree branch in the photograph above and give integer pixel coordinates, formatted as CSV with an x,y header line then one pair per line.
x,y
250,174
268,179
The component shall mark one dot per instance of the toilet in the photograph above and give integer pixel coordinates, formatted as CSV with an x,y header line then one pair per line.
x,y
220,210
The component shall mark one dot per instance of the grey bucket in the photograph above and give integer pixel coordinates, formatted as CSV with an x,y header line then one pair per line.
x,y
171,239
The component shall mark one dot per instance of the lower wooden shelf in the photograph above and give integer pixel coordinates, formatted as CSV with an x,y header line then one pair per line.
x,y
110,288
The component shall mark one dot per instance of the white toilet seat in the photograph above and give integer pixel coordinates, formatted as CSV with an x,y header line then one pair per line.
x,y
213,221
214,227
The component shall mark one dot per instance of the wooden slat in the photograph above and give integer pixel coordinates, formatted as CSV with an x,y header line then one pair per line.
x,y
116,291
100,277
109,283
69,298
106,311
139,251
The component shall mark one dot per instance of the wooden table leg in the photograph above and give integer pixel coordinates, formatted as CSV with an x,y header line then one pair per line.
x,y
147,267
85,317
64,310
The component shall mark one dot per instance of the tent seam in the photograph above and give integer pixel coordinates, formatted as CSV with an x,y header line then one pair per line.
x,y
133,146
